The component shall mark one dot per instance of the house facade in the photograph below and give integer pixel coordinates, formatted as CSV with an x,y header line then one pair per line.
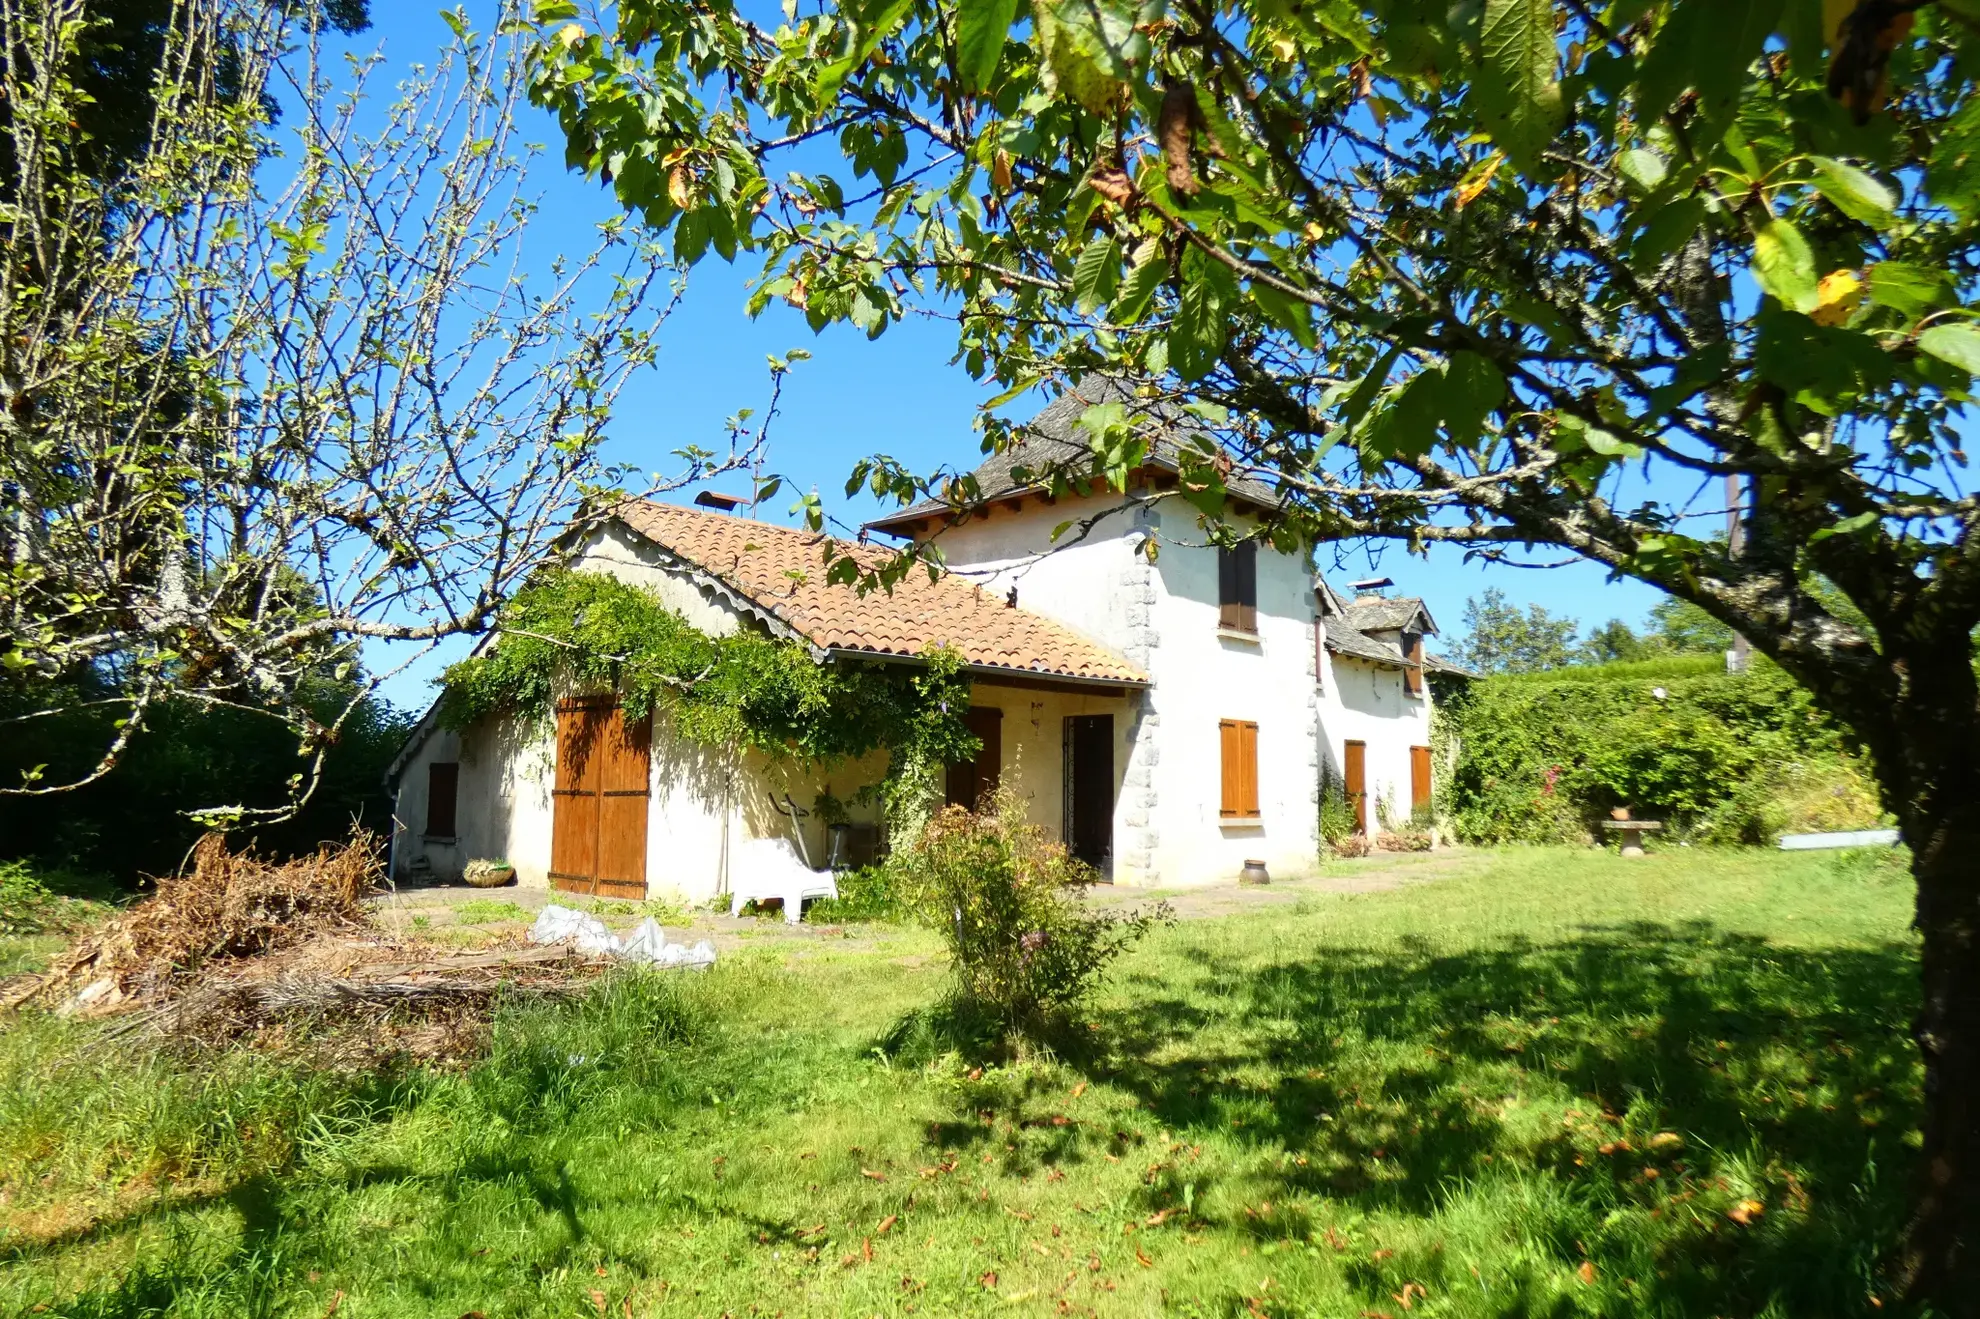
x,y
1169,715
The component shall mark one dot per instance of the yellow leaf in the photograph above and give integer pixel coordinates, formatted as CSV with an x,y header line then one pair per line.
x,y
1477,177
1284,47
569,35
1000,172
1837,297
679,190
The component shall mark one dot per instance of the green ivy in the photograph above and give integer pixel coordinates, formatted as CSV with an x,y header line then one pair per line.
x,y
583,631
1718,756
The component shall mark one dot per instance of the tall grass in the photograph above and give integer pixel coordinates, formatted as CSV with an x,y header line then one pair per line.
x,y
1560,1085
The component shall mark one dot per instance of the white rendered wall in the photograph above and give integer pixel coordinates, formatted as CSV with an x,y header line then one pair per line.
x,y
1163,616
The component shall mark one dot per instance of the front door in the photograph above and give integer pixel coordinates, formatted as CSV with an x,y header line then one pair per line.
x,y
1089,742
599,805
1356,773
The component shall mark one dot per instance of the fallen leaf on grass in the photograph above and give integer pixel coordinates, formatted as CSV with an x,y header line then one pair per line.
x,y
1159,1217
812,1230
989,1279
1586,1273
866,1248
885,1224
1406,1298
1079,1090
1142,1259
1666,1140
876,1176
335,1301
1746,1211
598,1299
1381,1255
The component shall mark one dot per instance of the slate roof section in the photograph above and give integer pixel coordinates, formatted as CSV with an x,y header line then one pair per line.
x,y
1052,439
1380,614
781,571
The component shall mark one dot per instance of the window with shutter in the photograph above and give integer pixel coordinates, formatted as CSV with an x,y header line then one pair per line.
x,y
1238,743
1237,587
443,790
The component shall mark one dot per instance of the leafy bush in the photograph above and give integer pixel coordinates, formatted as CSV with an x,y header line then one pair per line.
x,y
26,904
1722,757
1025,950
870,893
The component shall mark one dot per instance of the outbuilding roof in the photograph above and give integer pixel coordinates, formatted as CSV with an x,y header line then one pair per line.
x,y
1052,441
781,570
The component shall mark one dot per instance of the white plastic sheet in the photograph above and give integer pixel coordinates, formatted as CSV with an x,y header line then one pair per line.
x,y
647,943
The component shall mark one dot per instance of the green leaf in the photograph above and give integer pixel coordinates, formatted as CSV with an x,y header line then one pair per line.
x,y
1909,290
982,26
1288,313
1848,526
1708,47
1855,193
1958,344
1097,273
1363,394
1201,324
1091,47
1473,387
1642,167
1138,289
1784,265
1519,97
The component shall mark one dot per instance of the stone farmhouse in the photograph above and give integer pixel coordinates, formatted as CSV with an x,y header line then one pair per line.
x,y
1169,717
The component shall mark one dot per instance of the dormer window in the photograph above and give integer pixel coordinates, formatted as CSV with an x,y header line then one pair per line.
x,y
1237,587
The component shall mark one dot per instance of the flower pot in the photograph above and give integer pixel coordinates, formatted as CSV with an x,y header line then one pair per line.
x,y
486,876
1254,872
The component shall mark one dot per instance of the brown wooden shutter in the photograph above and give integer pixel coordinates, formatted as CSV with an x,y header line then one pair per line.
x,y
443,795
1238,754
1413,658
1419,778
1237,587
1355,771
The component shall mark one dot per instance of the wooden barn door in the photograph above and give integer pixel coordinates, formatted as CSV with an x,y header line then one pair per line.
x,y
598,825
1355,771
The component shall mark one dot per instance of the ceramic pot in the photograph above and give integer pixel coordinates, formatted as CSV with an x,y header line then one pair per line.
x,y
1254,873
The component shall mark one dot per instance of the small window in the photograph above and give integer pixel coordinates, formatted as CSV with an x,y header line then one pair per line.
x,y
443,790
1320,652
1237,587
1412,644
1239,741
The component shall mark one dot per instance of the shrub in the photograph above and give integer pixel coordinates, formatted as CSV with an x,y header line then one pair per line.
x,y
1025,951
870,893
1720,757
26,904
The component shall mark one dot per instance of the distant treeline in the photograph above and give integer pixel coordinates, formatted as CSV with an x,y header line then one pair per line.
x,y
131,822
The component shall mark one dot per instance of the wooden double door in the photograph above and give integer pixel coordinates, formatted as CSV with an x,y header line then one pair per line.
x,y
600,801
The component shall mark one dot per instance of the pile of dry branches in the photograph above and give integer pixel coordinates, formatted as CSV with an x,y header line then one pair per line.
x,y
238,946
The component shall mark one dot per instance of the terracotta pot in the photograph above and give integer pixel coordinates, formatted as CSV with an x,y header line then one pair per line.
x,y
1254,872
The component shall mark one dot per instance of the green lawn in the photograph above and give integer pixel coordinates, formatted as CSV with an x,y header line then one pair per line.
x,y
1560,1084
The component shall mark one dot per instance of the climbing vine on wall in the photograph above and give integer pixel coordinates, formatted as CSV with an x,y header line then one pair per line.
x,y
582,631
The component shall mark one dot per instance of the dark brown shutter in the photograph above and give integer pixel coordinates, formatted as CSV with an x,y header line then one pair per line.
x,y
969,781
1413,658
443,795
1237,587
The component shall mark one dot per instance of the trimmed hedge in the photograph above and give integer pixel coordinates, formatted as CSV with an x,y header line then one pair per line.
x,y
1719,757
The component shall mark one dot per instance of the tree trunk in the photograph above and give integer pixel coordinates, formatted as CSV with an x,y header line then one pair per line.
x,y
1939,806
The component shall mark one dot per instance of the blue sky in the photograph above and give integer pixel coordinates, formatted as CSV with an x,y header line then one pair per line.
x,y
897,395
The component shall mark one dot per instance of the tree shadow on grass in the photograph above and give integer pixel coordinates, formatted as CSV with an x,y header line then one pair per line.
x,y
1406,1082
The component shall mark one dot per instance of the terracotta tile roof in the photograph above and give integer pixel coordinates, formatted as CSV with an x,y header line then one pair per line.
x,y
781,570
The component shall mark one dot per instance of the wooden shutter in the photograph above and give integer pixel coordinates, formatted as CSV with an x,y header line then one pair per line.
x,y
1237,587
1413,658
443,795
1419,778
1238,754
970,780
598,825
1355,771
